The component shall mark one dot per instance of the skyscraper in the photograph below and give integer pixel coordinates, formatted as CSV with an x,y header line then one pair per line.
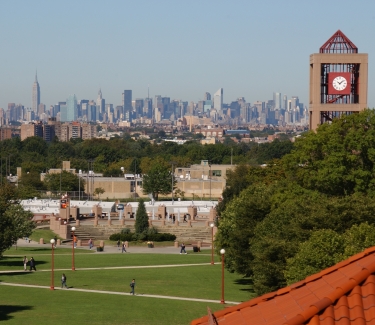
x,y
207,96
127,101
71,109
100,104
277,100
218,100
36,94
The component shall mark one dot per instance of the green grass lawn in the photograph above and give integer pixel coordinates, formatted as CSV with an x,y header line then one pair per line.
x,y
43,306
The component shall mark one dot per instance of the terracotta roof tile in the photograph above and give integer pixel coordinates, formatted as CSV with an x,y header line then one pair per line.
x,y
341,294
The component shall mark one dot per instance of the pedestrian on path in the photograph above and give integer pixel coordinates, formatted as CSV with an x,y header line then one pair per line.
x,y
75,241
63,281
55,239
90,243
32,264
123,248
118,244
132,286
183,249
25,260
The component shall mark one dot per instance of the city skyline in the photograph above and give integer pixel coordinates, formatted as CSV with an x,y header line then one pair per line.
x,y
170,49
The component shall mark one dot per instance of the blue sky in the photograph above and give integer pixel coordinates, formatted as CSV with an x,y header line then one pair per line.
x,y
181,49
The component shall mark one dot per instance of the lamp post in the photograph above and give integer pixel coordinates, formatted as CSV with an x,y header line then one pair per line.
x,y
212,225
172,174
73,267
52,241
61,175
210,179
222,252
79,184
135,179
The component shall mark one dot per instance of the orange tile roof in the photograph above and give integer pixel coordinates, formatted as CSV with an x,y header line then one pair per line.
x,y
343,294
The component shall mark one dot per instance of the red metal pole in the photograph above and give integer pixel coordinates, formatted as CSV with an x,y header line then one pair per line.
x,y
222,279
212,246
73,268
52,275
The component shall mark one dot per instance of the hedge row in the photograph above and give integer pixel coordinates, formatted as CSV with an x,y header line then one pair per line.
x,y
148,237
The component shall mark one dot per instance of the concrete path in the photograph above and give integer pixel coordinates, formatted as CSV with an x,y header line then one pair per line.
x,y
115,249
119,293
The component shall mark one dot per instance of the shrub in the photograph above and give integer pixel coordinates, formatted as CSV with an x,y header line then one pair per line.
x,y
149,235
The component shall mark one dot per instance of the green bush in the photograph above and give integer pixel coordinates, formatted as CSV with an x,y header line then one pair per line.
x,y
150,235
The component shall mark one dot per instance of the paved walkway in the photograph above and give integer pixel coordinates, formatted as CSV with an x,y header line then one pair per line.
x,y
119,293
115,249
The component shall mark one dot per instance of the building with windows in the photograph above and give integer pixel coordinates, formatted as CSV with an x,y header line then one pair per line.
x,y
71,109
218,100
35,95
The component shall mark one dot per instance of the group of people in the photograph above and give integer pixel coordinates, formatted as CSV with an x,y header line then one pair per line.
x,y
31,263
123,246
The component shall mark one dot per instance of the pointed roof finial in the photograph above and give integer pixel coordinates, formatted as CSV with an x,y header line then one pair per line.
x,y
338,43
36,75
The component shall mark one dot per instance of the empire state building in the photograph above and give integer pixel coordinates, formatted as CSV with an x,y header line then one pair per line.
x,y
36,95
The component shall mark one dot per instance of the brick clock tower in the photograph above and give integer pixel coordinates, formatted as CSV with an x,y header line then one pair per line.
x,y
338,80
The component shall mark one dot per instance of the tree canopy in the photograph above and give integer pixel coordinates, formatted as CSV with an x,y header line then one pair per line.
x,y
158,180
291,218
15,222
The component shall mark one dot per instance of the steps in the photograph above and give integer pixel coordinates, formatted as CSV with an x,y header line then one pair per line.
x,y
182,233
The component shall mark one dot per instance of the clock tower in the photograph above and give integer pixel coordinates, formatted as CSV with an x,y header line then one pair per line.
x,y
338,80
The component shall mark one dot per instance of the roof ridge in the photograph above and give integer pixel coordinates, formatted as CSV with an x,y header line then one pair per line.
x,y
318,305
336,294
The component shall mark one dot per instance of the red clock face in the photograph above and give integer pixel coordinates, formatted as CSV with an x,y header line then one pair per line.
x,y
339,83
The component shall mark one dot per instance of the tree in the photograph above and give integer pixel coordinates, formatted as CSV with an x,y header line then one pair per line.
x,y
314,255
325,248
339,159
141,218
65,181
98,191
15,222
158,181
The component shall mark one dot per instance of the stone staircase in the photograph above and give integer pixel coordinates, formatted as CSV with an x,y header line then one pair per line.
x,y
183,233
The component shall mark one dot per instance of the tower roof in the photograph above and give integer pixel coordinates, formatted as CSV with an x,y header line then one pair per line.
x,y
338,43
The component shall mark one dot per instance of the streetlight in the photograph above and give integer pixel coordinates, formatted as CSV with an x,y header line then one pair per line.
x,y
135,179
210,179
52,241
212,225
79,184
172,162
222,252
73,268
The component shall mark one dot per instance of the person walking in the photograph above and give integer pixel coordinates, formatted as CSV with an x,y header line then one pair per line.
x,y
90,243
123,248
183,249
118,244
55,239
25,260
132,286
63,281
32,264
75,241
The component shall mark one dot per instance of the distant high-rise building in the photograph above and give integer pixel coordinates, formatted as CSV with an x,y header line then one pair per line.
x,y
285,102
127,101
207,96
36,95
277,100
71,109
100,104
218,100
